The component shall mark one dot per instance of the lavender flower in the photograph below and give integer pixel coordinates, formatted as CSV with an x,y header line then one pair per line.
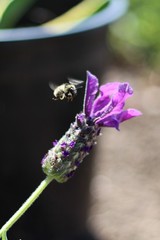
x,y
104,110
107,109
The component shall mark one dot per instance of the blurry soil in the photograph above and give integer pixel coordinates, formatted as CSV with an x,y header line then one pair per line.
x,y
125,189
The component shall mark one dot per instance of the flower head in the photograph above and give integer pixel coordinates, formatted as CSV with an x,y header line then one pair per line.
x,y
104,110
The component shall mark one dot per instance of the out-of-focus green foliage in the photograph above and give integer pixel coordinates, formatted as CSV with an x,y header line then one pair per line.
x,y
137,35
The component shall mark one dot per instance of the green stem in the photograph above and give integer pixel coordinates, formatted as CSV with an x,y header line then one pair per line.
x,y
4,236
25,205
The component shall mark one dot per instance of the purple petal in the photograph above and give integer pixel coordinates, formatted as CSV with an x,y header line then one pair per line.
x,y
80,118
44,158
55,142
106,92
72,144
63,145
111,94
112,99
109,121
99,103
65,153
109,88
128,114
90,92
113,120
124,92
110,109
118,100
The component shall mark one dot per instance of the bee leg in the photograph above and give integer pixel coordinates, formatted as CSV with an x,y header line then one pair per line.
x,y
54,98
62,97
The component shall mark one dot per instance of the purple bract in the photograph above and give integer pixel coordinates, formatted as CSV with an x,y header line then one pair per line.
x,y
106,109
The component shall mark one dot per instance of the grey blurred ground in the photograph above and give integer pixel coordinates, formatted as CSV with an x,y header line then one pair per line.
x,y
125,188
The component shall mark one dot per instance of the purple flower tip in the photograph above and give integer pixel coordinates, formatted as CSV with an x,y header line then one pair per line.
x,y
43,159
106,109
55,142
63,145
90,92
71,174
65,153
87,148
72,144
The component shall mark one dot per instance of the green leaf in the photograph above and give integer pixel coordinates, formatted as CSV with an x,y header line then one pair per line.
x,y
12,10
76,15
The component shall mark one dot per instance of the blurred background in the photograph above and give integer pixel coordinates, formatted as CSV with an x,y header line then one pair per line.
x,y
115,194
125,189
135,37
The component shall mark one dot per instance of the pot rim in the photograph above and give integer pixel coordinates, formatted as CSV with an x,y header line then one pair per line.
x,y
109,14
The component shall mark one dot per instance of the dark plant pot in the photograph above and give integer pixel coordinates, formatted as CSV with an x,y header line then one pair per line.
x,y
31,120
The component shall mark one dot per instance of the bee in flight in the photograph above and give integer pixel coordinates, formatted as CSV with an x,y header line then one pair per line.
x,y
66,90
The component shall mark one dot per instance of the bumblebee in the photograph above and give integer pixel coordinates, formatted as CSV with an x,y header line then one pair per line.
x,y
66,91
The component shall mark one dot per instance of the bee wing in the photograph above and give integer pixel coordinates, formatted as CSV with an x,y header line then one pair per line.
x,y
52,86
77,83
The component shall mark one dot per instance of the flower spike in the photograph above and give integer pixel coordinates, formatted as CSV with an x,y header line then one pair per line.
x,y
104,110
